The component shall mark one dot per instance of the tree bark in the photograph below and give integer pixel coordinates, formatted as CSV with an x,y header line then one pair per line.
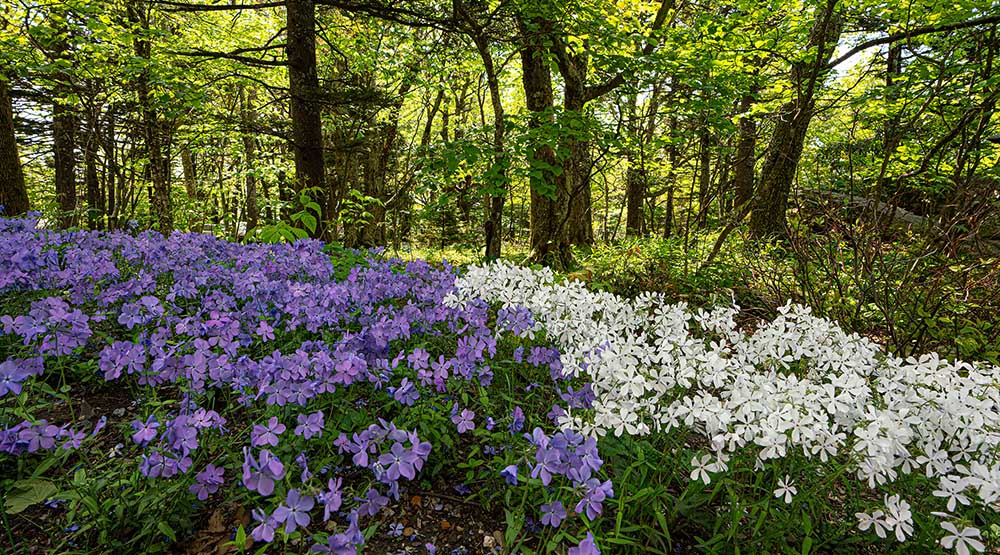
x,y
64,146
784,150
635,177
499,182
577,165
305,105
95,200
672,159
549,242
248,121
746,155
152,126
13,193
190,172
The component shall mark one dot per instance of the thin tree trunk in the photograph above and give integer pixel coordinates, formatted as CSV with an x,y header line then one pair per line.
x,y
95,201
190,172
13,193
704,173
746,145
577,166
248,121
152,126
635,177
499,184
111,174
64,146
672,157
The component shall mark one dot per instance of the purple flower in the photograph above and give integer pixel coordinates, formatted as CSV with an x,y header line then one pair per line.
x,y
101,423
509,473
265,331
207,482
549,463
206,419
259,475
586,547
399,461
337,544
331,498
263,532
553,514
592,500
406,393
13,372
517,420
267,435
75,438
182,436
294,512
373,503
464,421
144,431
418,359
311,425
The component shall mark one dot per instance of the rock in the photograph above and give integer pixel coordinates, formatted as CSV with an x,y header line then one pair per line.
x,y
118,413
489,542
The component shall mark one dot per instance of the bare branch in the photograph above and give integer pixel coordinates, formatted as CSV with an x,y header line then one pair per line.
x,y
915,32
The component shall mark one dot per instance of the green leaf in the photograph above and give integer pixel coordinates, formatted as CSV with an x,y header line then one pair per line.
x,y
308,220
25,493
167,530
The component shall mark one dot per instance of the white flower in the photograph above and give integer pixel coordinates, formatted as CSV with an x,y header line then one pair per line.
x,y
952,490
876,519
701,466
899,517
962,541
786,489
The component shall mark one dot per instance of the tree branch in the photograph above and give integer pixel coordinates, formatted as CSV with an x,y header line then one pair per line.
x,y
235,55
394,12
647,49
915,32
186,7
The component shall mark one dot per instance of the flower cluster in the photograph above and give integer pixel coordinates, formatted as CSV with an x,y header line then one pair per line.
x,y
254,352
797,386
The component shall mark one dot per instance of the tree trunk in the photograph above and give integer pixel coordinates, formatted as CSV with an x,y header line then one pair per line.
x,y
190,172
248,120
95,200
577,166
784,150
549,197
499,182
305,105
704,173
746,145
635,176
672,158
13,193
111,171
64,146
152,126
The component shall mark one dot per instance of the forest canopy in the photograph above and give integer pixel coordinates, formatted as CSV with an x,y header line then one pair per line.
x,y
550,124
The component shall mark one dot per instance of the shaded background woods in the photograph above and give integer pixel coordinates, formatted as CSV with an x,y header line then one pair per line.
x,y
858,134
